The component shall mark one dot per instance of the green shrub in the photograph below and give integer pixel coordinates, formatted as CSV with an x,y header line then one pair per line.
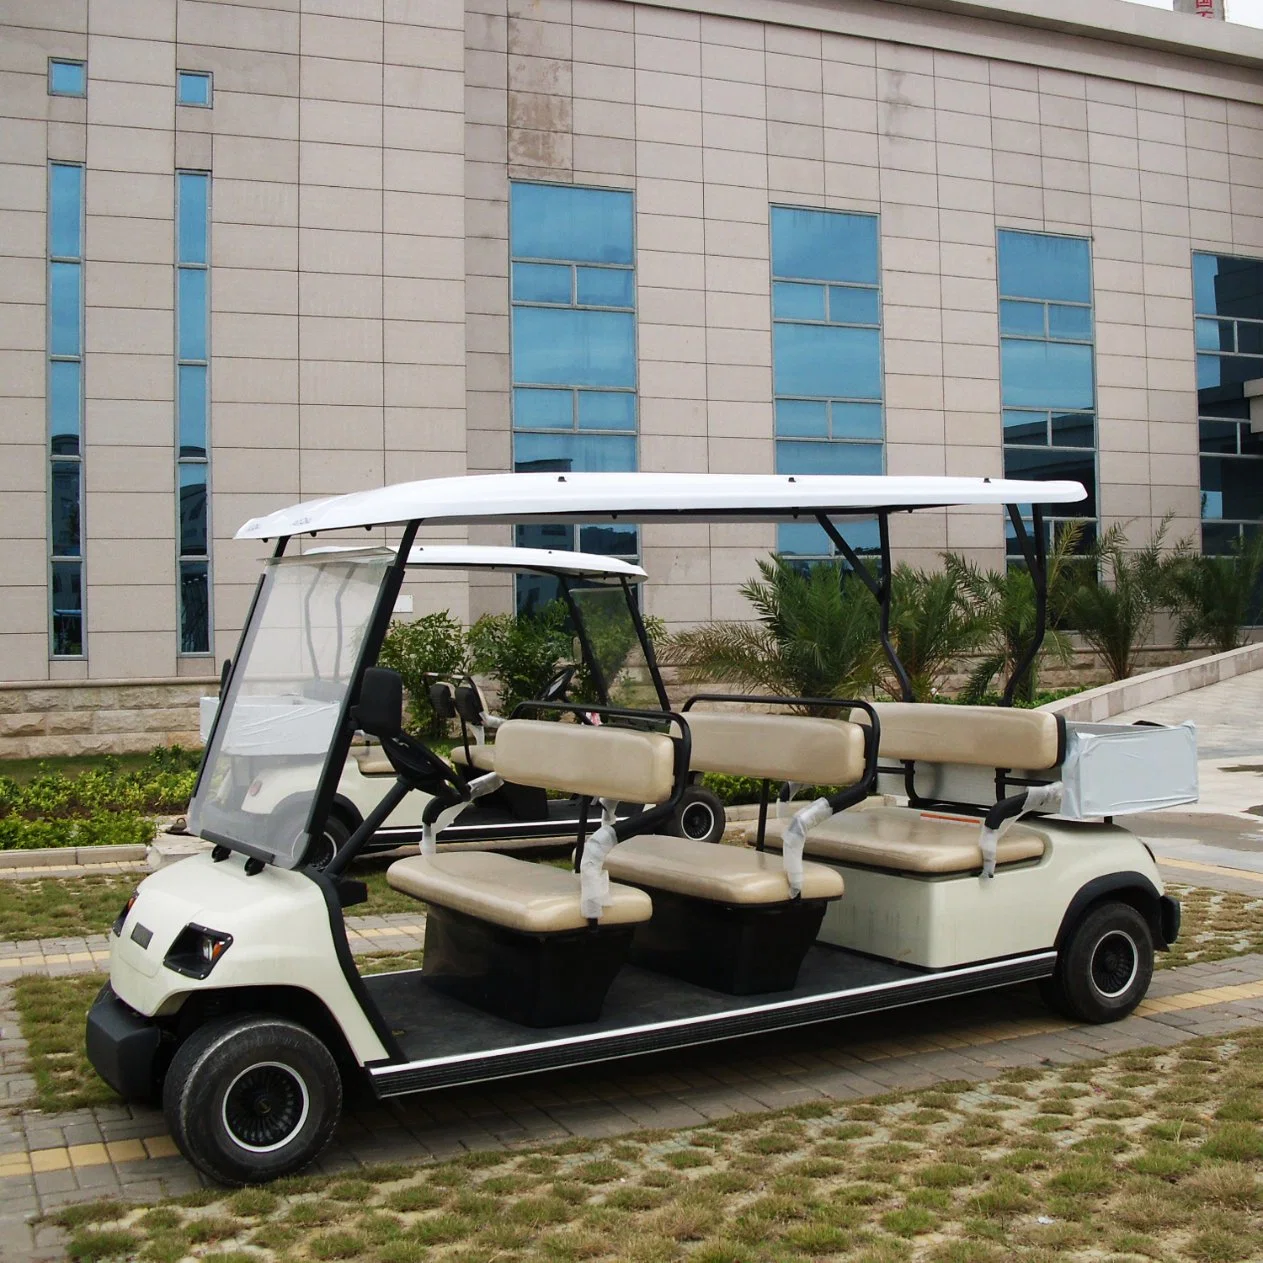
x,y
433,644
734,790
1215,597
521,652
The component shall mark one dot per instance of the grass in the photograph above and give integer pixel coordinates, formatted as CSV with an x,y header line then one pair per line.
x,y
1216,924
62,907
51,1012
984,1182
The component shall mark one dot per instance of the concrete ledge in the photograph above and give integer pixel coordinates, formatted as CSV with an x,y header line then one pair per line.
x,y
72,856
1103,703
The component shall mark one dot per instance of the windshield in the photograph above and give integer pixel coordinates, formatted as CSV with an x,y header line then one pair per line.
x,y
279,717
608,625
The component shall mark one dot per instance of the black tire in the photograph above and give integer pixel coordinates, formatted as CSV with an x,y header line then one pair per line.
x,y
321,850
251,1098
700,816
1104,967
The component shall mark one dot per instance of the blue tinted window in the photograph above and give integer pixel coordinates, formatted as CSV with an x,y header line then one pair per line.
x,y
1074,429
1069,322
192,235
192,509
1051,464
795,456
1035,265
1026,428
857,420
604,287
67,78
798,302
827,361
607,410
1045,374
67,609
853,306
1227,285
63,407
65,306
555,346
802,418
806,539
562,453
543,409
609,541
1216,335
542,283
193,87
824,245
557,221
192,407
192,317
65,505
194,607
65,210
1022,318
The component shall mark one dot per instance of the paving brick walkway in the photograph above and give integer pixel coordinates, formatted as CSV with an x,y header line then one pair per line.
x,y
122,1151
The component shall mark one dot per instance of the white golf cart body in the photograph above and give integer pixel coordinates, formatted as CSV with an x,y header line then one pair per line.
x,y
246,930
271,725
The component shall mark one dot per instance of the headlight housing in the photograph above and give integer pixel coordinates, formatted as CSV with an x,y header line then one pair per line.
x,y
196,951
117,928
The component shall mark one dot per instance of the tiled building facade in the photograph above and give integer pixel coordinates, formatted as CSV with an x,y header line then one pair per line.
x,y
261,251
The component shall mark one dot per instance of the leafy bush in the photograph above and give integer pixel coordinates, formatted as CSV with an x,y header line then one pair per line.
x,y
1215,597
435,644
521,652
932,626
732,791
816,636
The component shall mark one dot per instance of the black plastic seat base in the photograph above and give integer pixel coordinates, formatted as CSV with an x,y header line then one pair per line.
x,y
739,949
532,979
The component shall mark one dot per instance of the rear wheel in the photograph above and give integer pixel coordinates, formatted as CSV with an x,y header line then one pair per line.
x,y
251,1098
325,845
700,816
1105,966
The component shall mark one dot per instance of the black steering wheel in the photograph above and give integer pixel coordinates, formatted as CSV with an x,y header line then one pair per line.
x,y
557,688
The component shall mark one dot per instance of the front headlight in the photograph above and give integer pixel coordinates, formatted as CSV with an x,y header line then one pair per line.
x,y
196,951
117,928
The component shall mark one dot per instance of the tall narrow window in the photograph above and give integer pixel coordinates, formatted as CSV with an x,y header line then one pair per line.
x,y
826,356
1047,370
1228,301
574,348
65,408
192,302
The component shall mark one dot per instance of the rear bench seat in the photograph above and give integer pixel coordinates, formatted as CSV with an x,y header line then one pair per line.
x,y
511,937
725,917
923,840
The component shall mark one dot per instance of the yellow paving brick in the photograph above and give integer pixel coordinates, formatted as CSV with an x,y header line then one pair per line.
x,y
14,1164
126,1151
1196,866
91,1155
49,1160
160,1146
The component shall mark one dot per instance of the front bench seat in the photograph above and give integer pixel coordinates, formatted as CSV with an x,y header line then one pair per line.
x,y
725,917
482,757
904,840
512,937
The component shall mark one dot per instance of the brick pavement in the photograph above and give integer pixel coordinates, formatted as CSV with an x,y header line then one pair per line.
x,y
122,1151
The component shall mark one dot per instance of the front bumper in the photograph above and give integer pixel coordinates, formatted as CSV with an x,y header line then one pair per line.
x,y
123,1046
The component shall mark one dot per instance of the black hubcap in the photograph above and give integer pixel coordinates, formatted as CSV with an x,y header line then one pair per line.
x,y
1114,964
263,1106
697,820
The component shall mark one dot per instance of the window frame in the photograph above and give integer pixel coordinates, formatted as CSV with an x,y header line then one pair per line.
x,y
203,76
82,65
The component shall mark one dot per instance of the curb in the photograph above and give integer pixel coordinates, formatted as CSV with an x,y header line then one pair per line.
x,y
72,856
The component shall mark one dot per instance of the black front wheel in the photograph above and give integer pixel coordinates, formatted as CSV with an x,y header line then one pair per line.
x,y
700,816
1105,966
251,1098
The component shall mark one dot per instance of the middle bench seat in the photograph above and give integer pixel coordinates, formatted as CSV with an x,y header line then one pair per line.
x,y
725,917
512,937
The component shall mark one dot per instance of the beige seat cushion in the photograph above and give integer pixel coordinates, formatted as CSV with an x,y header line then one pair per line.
x,y
373,762
532,898
911,841
483,757
705,870
984,736
779,747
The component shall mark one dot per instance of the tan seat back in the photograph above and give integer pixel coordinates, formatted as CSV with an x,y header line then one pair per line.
x,y
984,736
599,762
778,747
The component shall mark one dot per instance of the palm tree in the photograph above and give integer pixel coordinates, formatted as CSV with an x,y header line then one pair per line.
x,y
1215,597
1115,616
932,626
815,636
1005,600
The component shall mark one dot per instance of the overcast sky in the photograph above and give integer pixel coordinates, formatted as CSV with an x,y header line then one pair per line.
x,y
1247,12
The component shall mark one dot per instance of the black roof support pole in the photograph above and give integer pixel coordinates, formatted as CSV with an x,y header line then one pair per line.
x,y
1035,553
880,588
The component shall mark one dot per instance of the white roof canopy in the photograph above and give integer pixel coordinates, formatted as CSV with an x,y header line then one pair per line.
x,y
553,561
639,497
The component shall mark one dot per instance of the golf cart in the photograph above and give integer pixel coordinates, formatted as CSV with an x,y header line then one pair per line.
x,y
233,995
600,596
